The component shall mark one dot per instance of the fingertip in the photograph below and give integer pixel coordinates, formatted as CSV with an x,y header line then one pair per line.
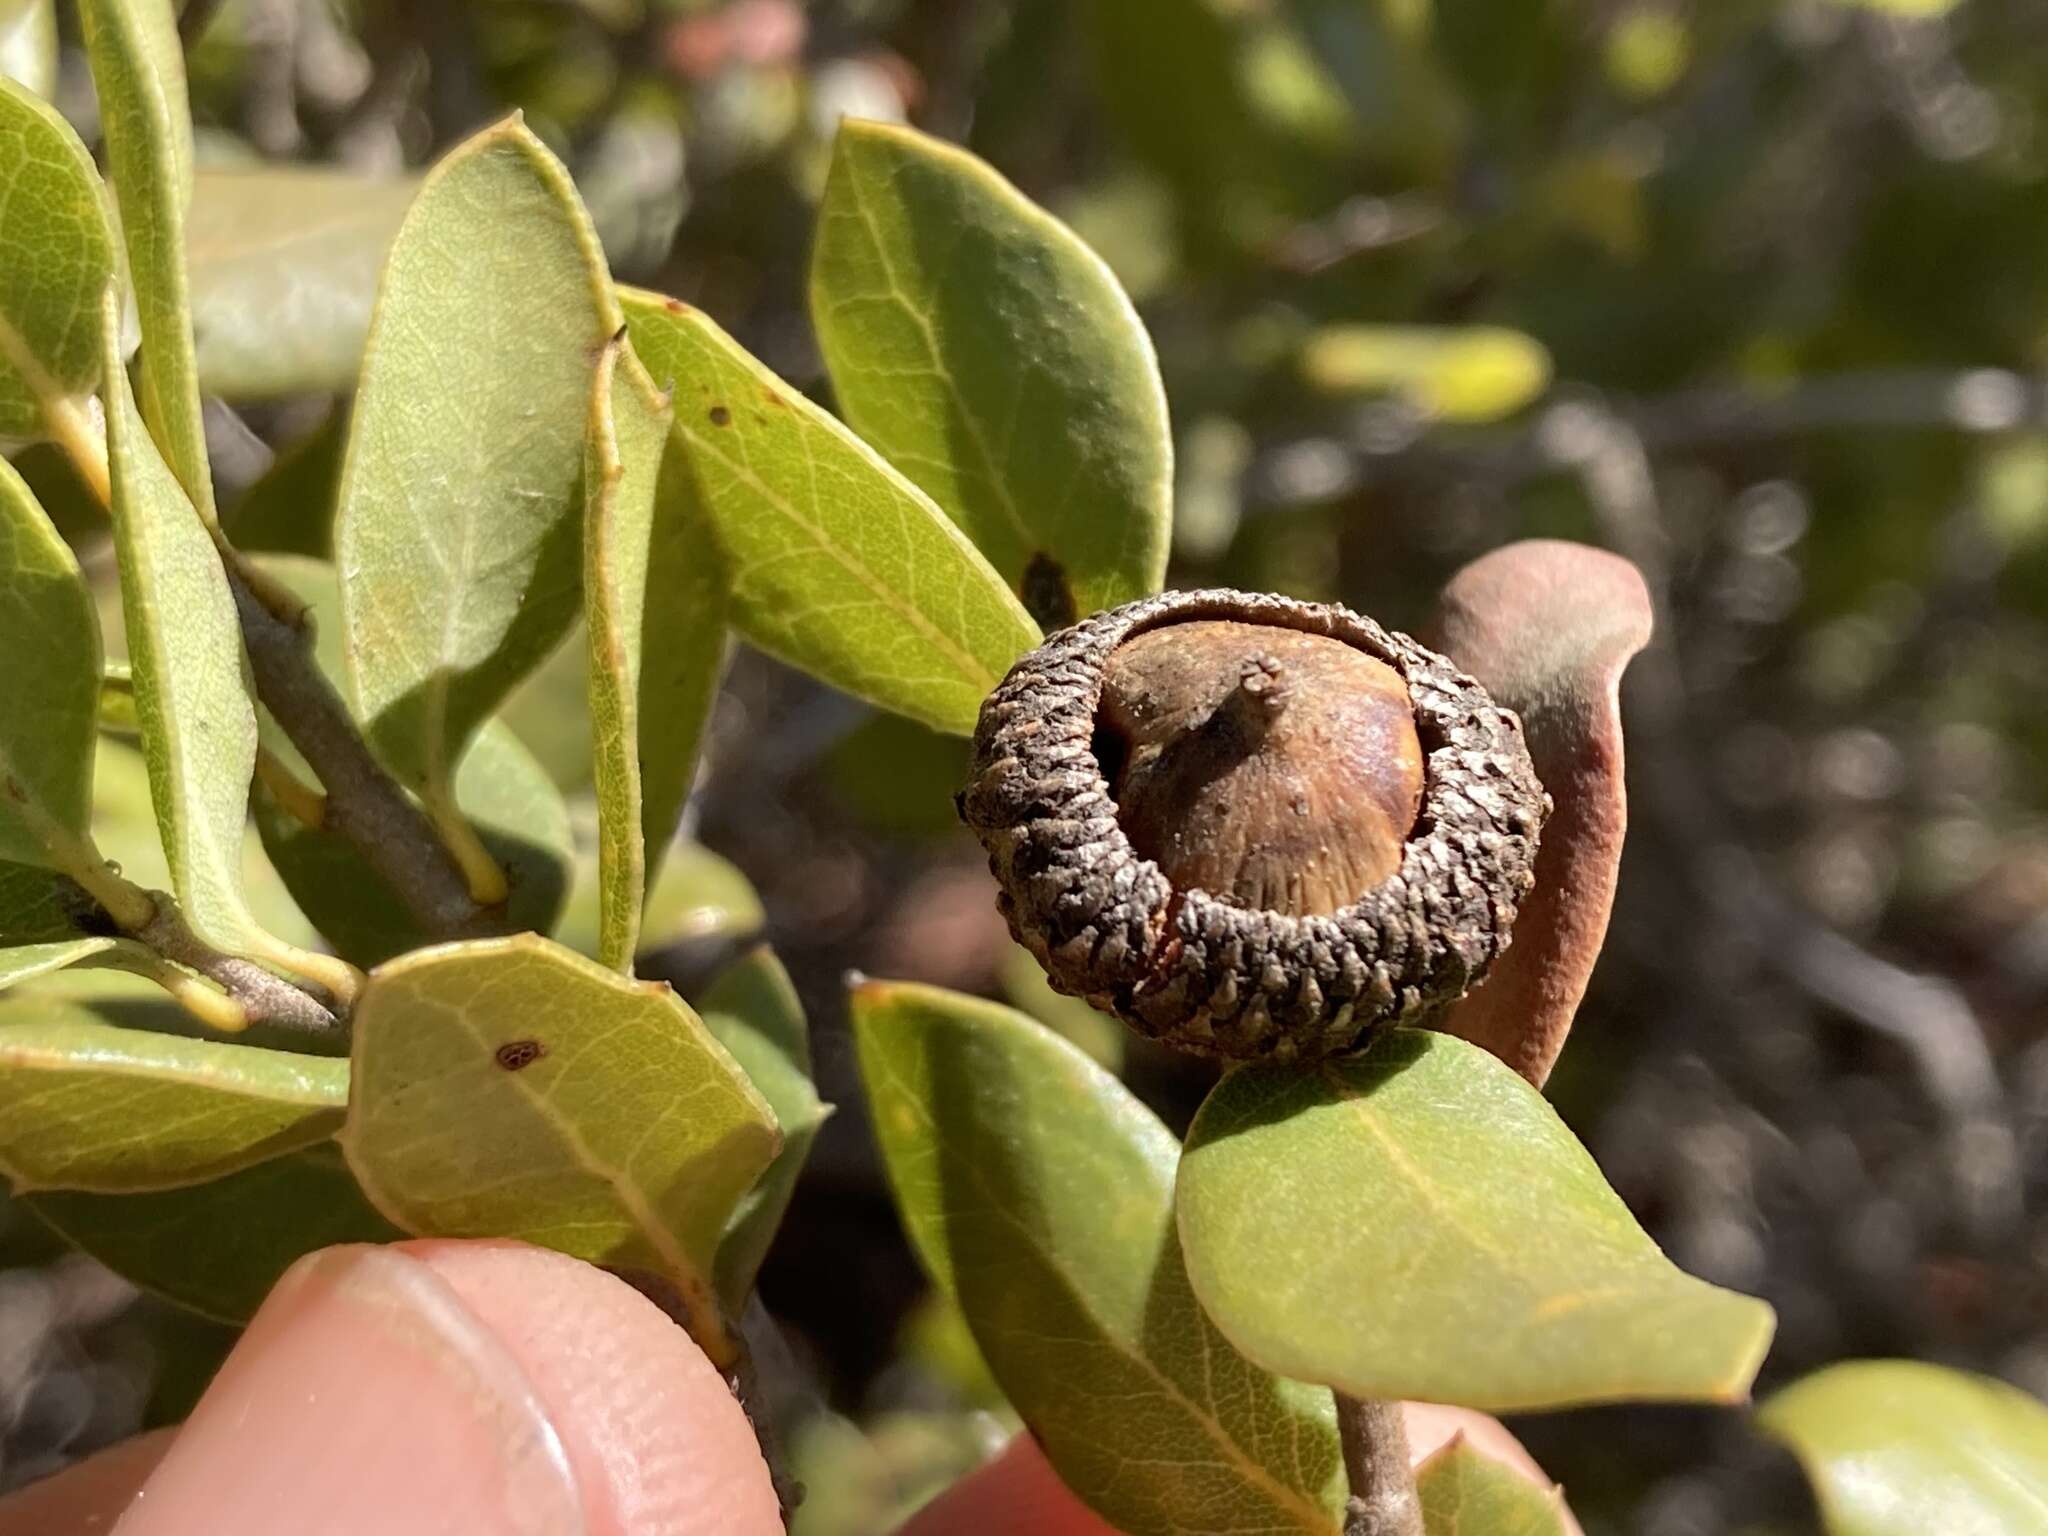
x,y
642,1411
429,1387
1016,1493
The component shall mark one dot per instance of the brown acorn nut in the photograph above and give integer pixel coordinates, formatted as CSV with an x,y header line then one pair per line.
x,y
1332,890
1270,767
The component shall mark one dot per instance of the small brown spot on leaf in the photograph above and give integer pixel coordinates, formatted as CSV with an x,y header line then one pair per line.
x,y
774,399
675,306
720,416
1047,596
514,1055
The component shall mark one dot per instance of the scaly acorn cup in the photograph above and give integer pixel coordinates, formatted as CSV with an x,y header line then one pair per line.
x,y
1252,827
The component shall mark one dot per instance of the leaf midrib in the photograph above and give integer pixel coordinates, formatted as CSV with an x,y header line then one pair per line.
x,y
991,475
971,669
1317,1519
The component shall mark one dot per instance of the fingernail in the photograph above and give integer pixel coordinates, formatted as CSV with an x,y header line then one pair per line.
x,y
367,1395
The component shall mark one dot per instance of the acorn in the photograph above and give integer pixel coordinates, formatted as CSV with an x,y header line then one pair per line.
x,y
1253,827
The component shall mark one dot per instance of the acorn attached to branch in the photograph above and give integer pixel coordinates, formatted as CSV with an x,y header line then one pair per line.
x,y
1250,826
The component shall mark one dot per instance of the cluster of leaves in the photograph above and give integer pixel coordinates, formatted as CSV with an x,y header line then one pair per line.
x,y
532,452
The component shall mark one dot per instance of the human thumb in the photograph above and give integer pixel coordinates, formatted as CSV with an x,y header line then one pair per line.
x,y
442,1387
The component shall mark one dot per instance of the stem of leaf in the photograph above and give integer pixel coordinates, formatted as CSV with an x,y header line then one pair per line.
x,y
1383,1499
77,434
248,992
294,796
128,905
364,805
197,996
262,996
485,878
332,974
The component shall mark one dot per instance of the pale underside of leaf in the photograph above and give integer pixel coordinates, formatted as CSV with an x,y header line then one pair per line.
x,y
630,1134
26,962
457,534
56,257
1466,1493
683,652
503,793
628,430
49,637
28,44
284,265
697,895
90,1105
185,650
138,70
753,1010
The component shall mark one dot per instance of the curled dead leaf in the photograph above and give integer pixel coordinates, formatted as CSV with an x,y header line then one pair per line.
x,y
1548,627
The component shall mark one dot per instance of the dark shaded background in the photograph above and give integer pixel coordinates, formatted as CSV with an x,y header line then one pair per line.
x,y
1790,261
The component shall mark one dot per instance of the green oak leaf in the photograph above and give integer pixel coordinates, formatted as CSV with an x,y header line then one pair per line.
x,y
138,69
1467,1494
56,259
994,359
28,44
511,1088
39,906
1416,1222
124,824
752,1009
1023,982
289,510
284,264
697,895
117,714
626,433
217,1248
186,1351
1039,1192
185,652
504,794
50,637
1899,1447
550,712
27,962
683,654
836,563
458,532
85,1104
500,789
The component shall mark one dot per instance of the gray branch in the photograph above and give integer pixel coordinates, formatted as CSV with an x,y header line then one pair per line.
x,y
365,805
265,997
1383,1499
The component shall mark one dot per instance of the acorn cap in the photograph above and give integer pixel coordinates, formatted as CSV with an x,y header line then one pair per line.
x,y
1268,875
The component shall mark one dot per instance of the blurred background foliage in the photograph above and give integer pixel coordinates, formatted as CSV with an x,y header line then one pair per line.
x,y
1752,291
